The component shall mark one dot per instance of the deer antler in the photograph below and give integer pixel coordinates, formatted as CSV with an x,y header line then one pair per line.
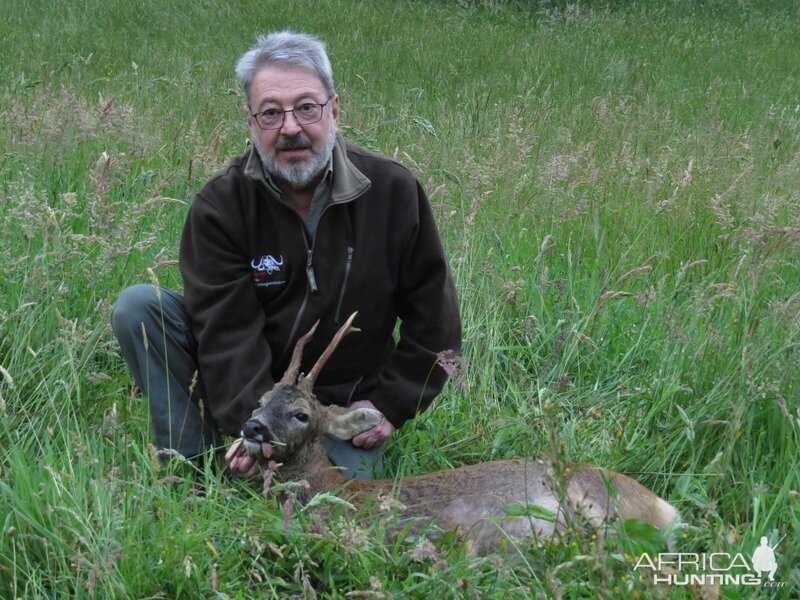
x,y
307,383
293,371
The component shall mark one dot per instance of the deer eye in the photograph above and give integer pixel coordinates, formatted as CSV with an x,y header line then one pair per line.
x,y
302,417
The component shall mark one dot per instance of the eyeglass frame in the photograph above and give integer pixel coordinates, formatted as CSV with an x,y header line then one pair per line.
x,y
291,110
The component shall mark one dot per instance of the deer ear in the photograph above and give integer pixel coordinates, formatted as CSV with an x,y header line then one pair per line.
x,y
347,424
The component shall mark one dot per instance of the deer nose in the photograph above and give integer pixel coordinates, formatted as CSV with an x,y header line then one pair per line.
x,y
255,430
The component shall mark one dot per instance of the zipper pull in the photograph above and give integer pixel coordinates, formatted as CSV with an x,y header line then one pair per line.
x,y
312,280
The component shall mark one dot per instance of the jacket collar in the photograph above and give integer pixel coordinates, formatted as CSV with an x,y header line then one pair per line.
x,y
348,182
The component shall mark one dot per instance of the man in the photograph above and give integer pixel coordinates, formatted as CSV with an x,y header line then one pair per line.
x,y
303,227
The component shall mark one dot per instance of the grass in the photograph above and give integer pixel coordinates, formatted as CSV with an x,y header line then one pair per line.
x,y
617,189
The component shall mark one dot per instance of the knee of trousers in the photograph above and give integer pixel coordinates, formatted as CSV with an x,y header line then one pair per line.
x,y
136,305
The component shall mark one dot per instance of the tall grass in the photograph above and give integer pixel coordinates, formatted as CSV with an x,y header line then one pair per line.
x,y
617,188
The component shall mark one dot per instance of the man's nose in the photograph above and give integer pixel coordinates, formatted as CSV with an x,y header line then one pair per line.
x,y
290,125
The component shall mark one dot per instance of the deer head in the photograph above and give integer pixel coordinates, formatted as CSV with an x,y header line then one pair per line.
x,y
290,418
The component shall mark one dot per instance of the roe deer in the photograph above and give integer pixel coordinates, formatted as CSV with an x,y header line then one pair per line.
x,y
290,423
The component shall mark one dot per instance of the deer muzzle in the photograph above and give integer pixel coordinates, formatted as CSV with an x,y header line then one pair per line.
x,y
256,437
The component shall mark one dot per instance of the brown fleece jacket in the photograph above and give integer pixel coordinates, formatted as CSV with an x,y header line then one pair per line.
x,y
255,281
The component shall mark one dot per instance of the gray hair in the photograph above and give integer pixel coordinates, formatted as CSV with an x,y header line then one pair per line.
x,y
286,48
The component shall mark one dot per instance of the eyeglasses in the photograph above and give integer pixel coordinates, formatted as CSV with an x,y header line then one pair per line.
x,y
307,113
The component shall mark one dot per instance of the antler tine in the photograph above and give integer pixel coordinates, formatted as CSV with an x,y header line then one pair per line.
x,y
293,370
307,383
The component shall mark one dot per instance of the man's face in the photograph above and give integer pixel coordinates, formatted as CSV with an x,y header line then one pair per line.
x,y
293,153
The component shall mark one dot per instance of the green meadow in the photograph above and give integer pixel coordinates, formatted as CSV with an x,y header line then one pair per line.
x,y
618,188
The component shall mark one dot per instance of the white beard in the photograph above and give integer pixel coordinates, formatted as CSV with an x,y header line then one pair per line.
x,y
301,173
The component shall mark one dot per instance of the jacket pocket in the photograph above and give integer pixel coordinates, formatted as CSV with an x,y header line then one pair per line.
x,y
343,289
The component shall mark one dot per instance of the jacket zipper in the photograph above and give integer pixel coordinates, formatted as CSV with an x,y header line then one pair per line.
x,y
312,288
344,283
312,280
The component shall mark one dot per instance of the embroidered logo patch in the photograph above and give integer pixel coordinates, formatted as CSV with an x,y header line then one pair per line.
x,y
264,268
267,263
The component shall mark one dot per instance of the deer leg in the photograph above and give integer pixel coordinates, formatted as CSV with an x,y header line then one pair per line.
x,y
356,463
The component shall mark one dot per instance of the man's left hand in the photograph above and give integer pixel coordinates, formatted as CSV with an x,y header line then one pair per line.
x,y
375,437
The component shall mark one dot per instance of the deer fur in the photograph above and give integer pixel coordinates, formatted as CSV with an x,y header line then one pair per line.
x,y
290,424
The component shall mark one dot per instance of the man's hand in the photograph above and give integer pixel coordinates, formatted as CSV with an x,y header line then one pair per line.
x,y
375,437
244,464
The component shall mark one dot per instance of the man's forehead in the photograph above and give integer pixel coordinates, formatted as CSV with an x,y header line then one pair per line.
x,y
278,83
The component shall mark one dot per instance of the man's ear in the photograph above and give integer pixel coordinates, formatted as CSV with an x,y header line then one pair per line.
x,y
347,423
335,109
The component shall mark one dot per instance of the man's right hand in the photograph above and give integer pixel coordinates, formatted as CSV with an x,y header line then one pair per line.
x,y
244,464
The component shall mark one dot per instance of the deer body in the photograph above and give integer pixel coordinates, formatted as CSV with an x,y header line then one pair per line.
x,y
290,424
471,499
